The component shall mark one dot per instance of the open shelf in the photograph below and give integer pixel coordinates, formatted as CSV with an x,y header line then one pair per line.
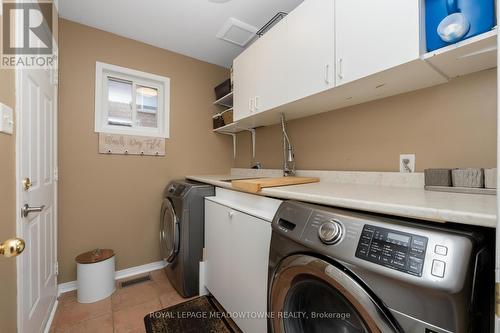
x,y
222,112
468,56
230,128
226,101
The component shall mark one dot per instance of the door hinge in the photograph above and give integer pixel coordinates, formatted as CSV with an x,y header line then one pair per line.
x,y
56,174
56,268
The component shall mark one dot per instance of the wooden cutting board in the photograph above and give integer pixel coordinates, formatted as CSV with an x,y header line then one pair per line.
x,y
256,185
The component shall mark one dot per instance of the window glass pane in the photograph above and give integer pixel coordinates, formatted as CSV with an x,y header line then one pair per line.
x,y
119,102
147,106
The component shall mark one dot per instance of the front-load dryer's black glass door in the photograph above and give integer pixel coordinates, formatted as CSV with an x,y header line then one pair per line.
x,y
169,231
315,306
308,294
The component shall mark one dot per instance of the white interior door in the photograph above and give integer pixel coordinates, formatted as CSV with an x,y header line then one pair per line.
x,y
37,282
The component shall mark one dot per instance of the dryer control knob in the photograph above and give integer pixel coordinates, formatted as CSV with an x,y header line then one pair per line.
x,y
330,232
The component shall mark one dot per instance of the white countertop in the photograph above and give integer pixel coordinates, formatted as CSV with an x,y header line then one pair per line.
x,y
412,202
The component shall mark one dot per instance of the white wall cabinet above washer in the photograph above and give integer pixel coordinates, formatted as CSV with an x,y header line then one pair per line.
x,y
372,36
376,51
271,52
311,50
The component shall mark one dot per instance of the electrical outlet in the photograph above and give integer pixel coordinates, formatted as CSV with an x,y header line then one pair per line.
x,y
407,163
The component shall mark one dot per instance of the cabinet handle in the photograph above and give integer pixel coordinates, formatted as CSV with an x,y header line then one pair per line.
x,y
230,214
341,72
256,103
327,73
250,104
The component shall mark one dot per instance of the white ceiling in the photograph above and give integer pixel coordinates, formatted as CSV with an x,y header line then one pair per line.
x,y
184,26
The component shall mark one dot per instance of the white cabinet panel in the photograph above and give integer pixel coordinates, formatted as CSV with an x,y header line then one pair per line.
x,y
252,238
271,68
217,241
244,77
311,48
237,257
372,36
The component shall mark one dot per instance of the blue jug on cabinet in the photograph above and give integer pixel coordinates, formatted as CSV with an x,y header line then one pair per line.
x,y
450,21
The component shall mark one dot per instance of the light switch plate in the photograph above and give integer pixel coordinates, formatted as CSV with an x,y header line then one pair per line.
x,y
6,119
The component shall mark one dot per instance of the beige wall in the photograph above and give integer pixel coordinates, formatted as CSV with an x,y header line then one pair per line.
x,y
114,201
451,125
7,209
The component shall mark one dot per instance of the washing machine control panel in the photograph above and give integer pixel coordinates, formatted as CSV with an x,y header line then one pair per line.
x,y
393,249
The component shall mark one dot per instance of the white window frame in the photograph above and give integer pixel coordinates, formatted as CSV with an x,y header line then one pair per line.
x,y
103,71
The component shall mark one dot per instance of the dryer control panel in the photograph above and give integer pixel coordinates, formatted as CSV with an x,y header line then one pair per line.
x,y
393,249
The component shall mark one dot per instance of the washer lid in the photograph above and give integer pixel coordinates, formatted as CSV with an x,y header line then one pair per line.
x,y
94,256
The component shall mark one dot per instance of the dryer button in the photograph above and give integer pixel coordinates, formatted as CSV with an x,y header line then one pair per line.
x,y
438,267
441,250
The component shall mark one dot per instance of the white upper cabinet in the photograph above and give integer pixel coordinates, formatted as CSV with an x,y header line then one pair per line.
x,y
294,59
311,52
329,54
372,36
245,85
271,68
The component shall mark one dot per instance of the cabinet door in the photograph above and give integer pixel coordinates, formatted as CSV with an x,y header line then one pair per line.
x,y
271,68
251,241
311,48
218,253
372,36
244,83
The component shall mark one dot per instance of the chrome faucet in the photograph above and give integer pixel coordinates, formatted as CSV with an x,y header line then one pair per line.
x,y
288,154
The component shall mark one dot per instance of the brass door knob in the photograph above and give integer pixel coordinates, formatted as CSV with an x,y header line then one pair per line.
x,y
27,184
12,247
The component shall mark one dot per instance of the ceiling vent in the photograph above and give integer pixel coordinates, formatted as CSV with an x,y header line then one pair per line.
x,y
237,32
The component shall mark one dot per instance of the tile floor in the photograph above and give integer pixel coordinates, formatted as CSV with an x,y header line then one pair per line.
x,y
123,312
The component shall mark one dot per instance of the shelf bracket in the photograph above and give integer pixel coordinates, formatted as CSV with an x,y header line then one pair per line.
x,y
252,131
234,142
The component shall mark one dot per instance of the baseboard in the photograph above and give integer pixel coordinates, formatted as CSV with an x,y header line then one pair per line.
x,y
128,272
66,287
122,274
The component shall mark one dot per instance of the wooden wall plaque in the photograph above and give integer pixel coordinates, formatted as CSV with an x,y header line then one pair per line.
x,y
131,145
